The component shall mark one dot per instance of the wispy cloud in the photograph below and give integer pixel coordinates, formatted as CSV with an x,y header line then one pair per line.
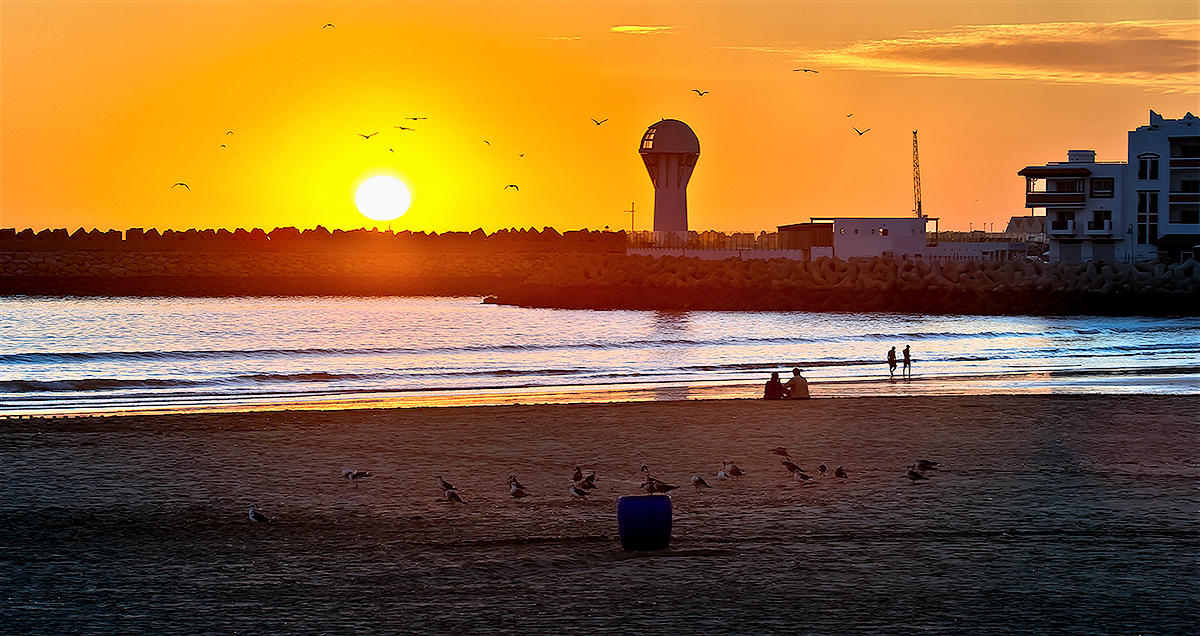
x,y
1161,55
560,37
642,30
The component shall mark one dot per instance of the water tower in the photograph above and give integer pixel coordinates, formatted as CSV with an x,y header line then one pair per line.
x,y
670,150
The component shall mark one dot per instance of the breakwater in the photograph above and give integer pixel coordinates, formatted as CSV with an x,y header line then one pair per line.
x,y
576,270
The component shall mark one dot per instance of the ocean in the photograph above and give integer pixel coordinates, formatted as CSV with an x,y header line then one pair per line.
x,y
71,356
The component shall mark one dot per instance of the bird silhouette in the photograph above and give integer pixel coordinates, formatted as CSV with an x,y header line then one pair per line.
x,y
487,142
180,184
840,473
806,70
599,121
390,150
328,25
222,145
367,136
849,114
403,127
699,92
862,132
513,186
521,154
258,517
228,132
416,118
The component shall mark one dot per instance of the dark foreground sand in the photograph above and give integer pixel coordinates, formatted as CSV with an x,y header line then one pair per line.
x,y
1074,514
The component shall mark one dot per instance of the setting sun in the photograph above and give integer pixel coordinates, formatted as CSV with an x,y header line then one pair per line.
x,y
382,198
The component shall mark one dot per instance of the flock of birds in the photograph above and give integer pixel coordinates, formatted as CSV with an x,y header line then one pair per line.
x,y
515,187
581,484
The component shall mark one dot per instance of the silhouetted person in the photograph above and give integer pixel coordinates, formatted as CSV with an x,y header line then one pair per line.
x,y
774,390
797,387
907,363
891,357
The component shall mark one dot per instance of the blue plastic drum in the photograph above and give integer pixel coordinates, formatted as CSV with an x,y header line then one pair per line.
x,y
644,522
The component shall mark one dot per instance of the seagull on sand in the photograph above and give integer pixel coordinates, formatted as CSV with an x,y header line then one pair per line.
x,y
781,451
699,482
599,121
355,475
840,473
443,484
732,469
578,476
452,495
800,475
699,92
367,136
180,183
821,470
579,492
721,474
512,481
589,482
259,517
862,132
789,466
924,465
516,491
913,474
661,486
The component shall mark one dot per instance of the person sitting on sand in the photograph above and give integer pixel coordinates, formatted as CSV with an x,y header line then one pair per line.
x,y
774,389
797,387
892,362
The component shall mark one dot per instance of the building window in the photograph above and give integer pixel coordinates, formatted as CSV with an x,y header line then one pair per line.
x,y
1147,217
1102,187
1191,186
1100,218
1148,168
1185,214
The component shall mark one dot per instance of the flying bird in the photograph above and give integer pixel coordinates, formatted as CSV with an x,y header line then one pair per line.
x,y
403,127
599,121
390,150
850,114
222,145
521,154
806,70
700,92
513,186
228,132
416,118
259,517
862,132
367,136
699,482
180,184
328,25
487,142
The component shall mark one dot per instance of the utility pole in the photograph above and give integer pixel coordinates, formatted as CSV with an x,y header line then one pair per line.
x,y
631,226
916,178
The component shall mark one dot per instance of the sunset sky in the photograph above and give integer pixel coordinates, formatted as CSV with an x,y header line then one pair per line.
x,y
106,104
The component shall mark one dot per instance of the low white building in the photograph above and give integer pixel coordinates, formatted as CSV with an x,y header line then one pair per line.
x,y
1144,208
866,237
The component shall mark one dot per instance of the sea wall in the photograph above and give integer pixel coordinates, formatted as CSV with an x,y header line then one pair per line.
x,y
578,279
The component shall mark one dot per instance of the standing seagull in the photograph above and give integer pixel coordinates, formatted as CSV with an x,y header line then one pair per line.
x,y
732,469
516,491
699,482
599,121
259,517
862,132
699,92
180,184
452,495
840,473
589,482
578,476
913,474
443,484
821,470
800,475
579,492
789,466
924,465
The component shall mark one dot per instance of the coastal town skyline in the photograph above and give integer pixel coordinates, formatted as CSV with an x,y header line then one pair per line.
x,y
520,115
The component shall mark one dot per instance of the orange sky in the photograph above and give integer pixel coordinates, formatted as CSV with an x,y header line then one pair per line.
x,y
105,105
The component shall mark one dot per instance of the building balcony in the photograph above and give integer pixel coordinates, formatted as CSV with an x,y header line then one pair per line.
x,y
1184,162
1184,197
1061,228
1099,228
1054,199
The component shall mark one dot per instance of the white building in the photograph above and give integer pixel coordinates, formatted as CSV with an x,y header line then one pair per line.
x,y
866,237
1140,209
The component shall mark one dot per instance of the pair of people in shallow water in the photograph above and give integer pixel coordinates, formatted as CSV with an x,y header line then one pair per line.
x,y
891,358
795,389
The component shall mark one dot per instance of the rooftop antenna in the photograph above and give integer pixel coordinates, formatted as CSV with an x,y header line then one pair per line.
x,y
916,178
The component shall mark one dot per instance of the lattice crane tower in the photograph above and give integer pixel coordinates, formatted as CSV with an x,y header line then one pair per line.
x,y
916,178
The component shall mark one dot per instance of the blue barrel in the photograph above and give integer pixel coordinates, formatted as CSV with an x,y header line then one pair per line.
x,y
644,522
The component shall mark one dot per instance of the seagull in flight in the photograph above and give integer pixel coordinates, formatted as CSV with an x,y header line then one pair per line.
x,y
328,25
700,92
180,184
228,132
521,155
862,132
416,118
403,127
259,517
599,121
487,142
222,145
514,187
367,136
390,150
806,70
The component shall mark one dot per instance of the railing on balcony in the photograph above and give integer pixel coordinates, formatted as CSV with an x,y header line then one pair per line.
x,y
1098,227
1052,199
1062,227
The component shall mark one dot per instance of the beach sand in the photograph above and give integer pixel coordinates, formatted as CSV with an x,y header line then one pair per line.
x,y
1050,513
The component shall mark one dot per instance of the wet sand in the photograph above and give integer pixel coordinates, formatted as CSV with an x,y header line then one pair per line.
x,y
1050,513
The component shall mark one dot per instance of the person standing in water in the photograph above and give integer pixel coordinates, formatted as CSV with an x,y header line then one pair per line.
x,y
891,357
907,362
